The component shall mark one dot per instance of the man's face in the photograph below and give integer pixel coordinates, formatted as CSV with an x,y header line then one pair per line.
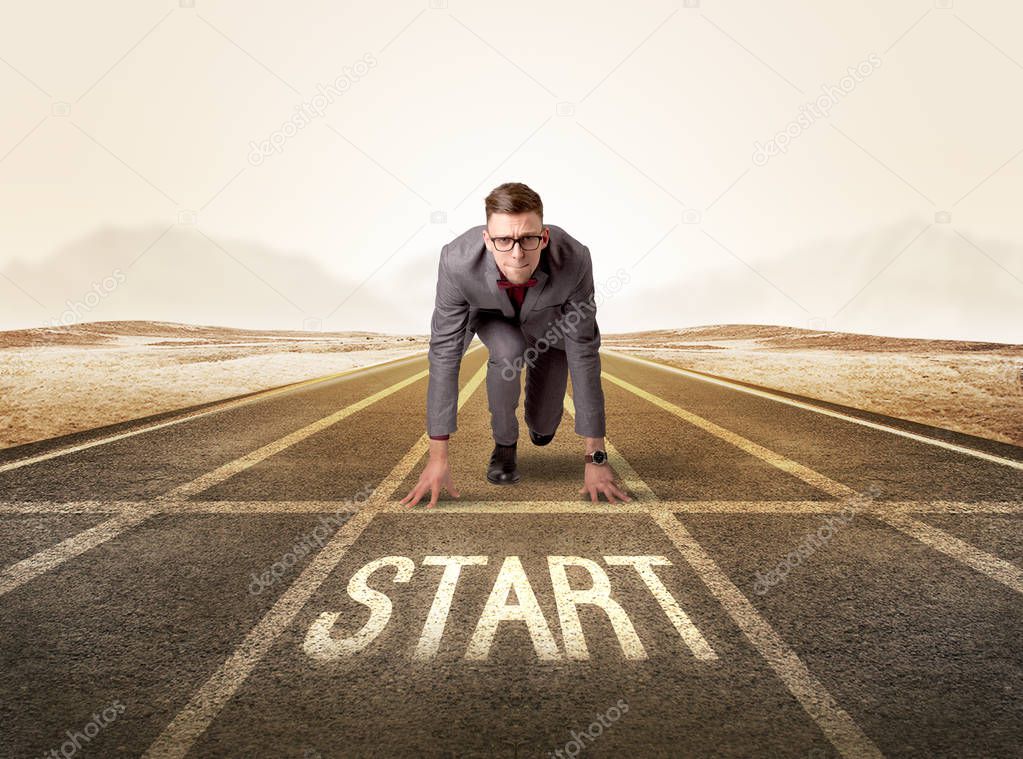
x,y
517,264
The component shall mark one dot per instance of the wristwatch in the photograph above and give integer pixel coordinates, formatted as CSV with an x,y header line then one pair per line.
x,y
597,457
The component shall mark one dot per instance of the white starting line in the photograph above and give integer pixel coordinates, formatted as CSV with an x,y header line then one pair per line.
x,y
447,505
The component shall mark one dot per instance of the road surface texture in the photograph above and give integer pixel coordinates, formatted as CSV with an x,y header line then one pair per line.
x,y
791,579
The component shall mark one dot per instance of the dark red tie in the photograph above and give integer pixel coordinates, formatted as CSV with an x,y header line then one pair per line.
x,y
504,284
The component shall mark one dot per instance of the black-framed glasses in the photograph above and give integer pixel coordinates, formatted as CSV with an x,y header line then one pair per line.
x,y
526,242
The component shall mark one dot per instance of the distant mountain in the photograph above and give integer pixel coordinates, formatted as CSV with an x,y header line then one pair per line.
x,y
940,287
121,332
769,336
137,274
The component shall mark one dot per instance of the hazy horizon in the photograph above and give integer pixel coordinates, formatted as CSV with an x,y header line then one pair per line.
x,y
230,185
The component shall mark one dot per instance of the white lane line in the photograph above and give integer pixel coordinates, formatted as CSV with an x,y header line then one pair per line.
x,y
959,507
47,559
231,468
826,412
710,507
630,479
836,724
582,506
191,722
997,569
178,737
804,473
226,405
12,508
21,572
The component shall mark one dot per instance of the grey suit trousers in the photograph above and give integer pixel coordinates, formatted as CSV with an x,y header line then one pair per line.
x,y
510,352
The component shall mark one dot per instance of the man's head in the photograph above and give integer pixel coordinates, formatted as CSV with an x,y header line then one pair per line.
x,y
515,212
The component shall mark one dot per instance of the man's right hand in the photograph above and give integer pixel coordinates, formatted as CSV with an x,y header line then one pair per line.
x,y
436,475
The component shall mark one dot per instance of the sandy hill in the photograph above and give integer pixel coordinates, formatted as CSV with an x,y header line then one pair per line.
x,y
152,332
768,336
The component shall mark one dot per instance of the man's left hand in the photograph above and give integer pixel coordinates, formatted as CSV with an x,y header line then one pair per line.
x,y
599,479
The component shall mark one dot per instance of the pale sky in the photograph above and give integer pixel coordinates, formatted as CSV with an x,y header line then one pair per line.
x,y
127,167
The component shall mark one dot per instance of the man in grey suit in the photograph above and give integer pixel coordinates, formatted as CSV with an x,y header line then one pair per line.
x,y
527,290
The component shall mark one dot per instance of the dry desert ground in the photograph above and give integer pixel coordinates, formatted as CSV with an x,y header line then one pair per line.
x,y
61,380
971,387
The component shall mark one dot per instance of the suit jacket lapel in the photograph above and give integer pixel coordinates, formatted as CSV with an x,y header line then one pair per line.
x,y
532,293
493,274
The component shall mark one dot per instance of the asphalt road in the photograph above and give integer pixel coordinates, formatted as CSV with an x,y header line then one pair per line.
x,y
791,579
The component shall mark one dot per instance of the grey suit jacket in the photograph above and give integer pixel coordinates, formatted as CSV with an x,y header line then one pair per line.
x,y
558,313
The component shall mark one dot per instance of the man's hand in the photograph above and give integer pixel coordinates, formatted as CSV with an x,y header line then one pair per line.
x,y
599,479
435,475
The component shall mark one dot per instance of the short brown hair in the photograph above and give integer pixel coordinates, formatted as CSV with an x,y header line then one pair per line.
x,y
513,197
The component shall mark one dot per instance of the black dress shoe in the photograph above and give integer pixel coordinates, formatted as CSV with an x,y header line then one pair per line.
x,y
539,439
502,469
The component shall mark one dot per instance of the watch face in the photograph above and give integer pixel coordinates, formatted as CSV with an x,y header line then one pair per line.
x,y
599,457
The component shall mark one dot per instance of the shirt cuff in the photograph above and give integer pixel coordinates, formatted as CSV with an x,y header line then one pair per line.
x,y
439,437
